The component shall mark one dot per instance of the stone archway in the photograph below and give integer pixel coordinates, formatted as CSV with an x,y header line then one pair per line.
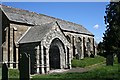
x,y
56,54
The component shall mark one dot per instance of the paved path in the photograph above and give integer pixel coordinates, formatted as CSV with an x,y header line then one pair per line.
x,y
70,70
78,69
58,71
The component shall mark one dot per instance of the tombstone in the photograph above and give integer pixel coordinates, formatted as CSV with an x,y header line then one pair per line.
x,y
77,56
4,72
0,71
24,66
109,60
0,43
92,56
118,56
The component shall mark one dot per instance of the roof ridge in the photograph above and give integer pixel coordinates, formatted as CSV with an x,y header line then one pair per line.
x,y
18,11
17,8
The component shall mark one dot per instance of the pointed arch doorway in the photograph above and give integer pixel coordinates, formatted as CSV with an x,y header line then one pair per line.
x,y
56,54
54,57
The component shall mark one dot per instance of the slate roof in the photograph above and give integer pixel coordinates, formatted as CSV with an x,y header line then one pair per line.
x,y
36,34
24,16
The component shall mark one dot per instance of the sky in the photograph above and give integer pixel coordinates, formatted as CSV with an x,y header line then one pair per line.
x,y
89,14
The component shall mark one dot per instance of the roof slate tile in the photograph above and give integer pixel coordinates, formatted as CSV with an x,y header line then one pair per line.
x,y
33,18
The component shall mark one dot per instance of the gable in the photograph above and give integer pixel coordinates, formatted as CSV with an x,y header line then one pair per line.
x,y
54,33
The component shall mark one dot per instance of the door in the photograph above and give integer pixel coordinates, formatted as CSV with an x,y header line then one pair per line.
x,y
54,57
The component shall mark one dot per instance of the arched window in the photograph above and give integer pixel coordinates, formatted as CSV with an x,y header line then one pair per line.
x,y
88,44
79,47
80,40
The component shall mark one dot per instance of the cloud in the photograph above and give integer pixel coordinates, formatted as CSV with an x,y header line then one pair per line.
x,y
96,26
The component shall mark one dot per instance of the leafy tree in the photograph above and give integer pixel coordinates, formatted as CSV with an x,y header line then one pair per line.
x,y
111,39
100,49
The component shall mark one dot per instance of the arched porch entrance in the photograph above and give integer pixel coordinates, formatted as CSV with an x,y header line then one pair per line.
x,y
54,57
57,54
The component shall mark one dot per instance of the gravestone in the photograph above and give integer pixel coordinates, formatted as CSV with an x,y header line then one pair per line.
x,y
109,59
0,71
92,56
4,71
118,56
77,56
24,66
0,43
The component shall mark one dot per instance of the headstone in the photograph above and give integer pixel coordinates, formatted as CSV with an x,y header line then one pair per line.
x,y
0,71
4,72
0,43
109,59
77,56
24,67
118,56
92,55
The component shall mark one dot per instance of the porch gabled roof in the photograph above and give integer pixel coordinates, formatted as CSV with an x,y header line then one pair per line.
x,y
36,33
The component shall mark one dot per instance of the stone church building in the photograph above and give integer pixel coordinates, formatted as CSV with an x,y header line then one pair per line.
x,y
50,43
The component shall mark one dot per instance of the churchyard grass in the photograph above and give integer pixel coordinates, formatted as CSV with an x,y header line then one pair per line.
x,y
87,61
101,73
13,73
98,71
0,72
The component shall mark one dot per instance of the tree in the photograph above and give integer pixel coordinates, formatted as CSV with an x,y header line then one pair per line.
x,y
111,39
100,49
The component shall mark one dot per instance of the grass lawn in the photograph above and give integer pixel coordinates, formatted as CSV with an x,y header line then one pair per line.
x,y
99,71
13,73
0,72
87,61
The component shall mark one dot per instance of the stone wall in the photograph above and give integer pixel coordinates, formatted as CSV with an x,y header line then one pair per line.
x,y
0,44
4,24
16,32
5,27
82,44
11,32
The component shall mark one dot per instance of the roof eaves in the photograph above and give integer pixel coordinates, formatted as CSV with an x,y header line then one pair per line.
x,y
78,32
29,42
18,22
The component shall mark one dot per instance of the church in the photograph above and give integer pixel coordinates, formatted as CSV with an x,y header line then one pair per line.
x,y
49,43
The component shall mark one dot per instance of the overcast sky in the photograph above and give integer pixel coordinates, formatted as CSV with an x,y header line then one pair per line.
x,y
89,14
